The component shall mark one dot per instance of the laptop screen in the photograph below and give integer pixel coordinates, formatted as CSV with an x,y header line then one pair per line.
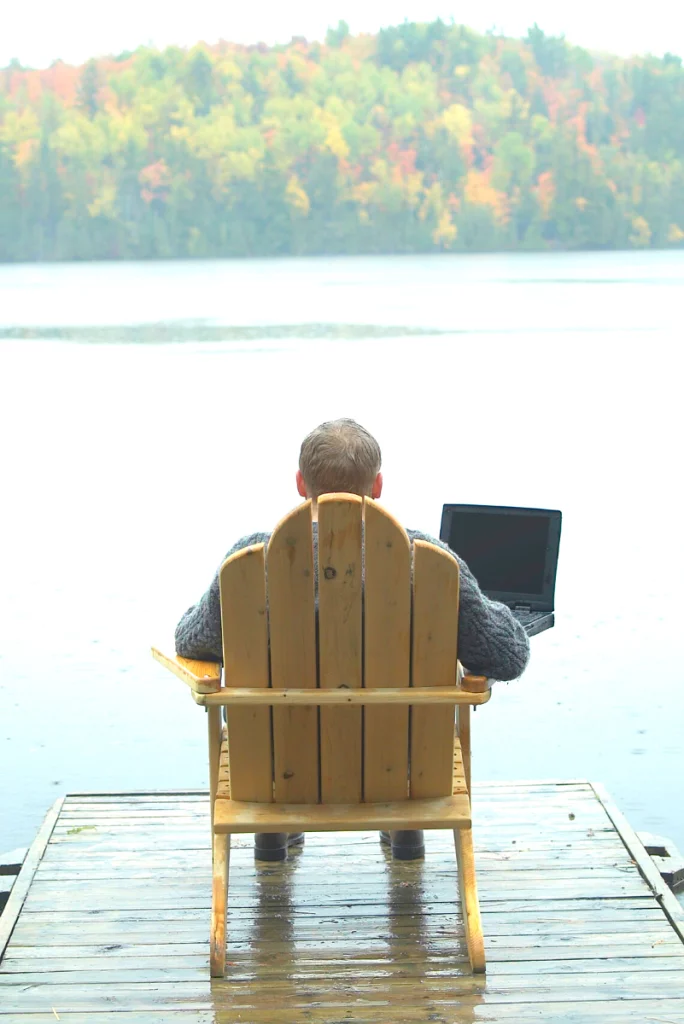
x,y
512,552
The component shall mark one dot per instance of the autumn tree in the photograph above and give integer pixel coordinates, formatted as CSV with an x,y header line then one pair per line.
x,y
426,137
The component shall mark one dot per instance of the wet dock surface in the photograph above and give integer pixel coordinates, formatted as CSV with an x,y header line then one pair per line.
x,y
113,926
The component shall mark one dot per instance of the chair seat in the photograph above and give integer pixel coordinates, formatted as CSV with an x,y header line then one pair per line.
x,y
241,816
246,816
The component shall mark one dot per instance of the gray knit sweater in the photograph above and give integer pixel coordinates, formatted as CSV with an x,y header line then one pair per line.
x,y
491,641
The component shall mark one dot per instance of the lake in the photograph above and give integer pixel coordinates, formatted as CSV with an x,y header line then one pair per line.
x,y
152,414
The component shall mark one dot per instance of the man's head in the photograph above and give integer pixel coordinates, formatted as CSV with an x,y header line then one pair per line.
x,y
339,456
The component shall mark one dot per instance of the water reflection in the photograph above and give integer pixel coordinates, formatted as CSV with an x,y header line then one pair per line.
x,y
426,937
341,931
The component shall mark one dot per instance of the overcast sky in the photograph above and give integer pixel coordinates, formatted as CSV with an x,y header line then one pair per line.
x,y
38,32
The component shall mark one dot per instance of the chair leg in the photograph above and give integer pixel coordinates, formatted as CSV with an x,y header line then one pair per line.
x,y
219,899
463,840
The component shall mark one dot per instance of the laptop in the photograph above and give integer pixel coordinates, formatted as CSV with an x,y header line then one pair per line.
x,y
512,553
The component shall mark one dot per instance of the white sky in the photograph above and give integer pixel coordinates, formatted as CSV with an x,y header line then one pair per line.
x,y
39,32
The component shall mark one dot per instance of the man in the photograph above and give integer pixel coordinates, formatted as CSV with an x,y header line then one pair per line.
x,y
342,456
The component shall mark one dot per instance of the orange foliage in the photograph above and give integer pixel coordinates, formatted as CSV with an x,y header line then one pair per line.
x,y
579,123
545,192
62,80
553,100
404,160
480,192
25,151
155,180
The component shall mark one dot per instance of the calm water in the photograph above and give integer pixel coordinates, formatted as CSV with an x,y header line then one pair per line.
x,y
152,413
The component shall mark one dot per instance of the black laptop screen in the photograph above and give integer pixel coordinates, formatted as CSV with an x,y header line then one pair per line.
x,y
504,552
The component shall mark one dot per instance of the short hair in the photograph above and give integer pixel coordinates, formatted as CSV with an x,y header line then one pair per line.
x,y
339,455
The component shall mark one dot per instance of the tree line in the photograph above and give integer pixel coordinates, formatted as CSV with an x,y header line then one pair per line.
x,y
425,137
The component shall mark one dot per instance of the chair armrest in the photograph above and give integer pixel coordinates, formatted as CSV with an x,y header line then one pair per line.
x,y
200,676
470,683
234,696
475,684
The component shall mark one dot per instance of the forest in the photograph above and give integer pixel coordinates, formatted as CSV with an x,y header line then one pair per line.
x,y
422,138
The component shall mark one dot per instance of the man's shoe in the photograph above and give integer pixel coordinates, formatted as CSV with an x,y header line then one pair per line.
x,y
406,845
274,845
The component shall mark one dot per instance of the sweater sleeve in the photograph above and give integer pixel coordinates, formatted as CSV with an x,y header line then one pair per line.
x,y
198,634
491,641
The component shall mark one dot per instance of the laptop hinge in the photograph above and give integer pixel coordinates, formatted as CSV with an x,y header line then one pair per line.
x,y
525,608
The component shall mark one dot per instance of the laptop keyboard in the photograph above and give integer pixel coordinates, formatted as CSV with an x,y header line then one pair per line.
x,y
525,617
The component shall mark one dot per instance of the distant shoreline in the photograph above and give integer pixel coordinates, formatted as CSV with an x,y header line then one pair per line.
x,y
426,137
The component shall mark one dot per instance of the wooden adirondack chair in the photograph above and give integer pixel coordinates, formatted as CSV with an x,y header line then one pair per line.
x,y
378,656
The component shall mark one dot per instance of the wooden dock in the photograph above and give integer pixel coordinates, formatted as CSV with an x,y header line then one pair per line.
x,y
108,922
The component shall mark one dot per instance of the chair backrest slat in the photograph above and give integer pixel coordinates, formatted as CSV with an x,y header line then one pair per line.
x,y
387,642
340,643
384,615
245,658
434,663
292,625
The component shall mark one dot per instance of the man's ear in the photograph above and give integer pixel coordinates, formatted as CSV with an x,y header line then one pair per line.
x,y
301,486
377,487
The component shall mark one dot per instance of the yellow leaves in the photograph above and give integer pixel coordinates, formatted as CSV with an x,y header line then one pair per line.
x,y
479,192
158,105
296,196
182,111
229,70
123,131
380,170
413,187
445,233
89,142
21,132
196,242
641,233
334,141
104,202
435,207
458,122
180,132
231,152
432,202
581,203
364,193
675,235
419,86
462,70
78,138
239,166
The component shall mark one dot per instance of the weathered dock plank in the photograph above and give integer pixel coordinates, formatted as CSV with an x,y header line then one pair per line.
x,y
110,924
